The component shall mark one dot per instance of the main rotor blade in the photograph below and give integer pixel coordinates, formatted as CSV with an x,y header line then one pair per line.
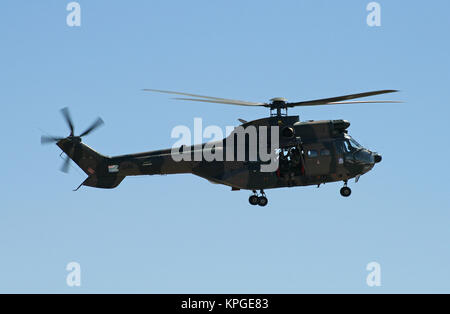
x,y
97,123
66,114
326,101
224,100
45,139
366,102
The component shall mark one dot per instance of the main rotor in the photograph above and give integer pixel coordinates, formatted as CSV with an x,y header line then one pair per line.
x,y
281,104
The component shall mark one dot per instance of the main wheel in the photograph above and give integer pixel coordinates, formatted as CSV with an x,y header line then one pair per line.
x,y
262,201
346,191
253,200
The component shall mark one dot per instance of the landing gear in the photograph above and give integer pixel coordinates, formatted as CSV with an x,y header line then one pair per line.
x,y
253,200
258,200
346,191
262,201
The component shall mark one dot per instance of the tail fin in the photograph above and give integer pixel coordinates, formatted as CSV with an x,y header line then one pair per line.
x,y
92,163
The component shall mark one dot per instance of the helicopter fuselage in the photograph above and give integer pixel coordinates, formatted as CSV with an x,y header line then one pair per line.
x,y
309,153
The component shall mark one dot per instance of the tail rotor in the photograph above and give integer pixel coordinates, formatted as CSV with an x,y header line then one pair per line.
x,y
71,141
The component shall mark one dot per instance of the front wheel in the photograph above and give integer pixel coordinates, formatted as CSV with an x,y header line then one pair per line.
x,y
346,191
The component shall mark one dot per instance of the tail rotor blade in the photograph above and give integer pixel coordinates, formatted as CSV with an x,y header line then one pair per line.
x,y
45,139
66,114
65,165
97,123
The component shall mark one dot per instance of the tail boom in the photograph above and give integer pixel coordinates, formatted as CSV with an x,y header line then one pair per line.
x,y
108,172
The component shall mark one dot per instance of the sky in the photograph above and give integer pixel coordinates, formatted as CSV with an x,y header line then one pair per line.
x,y
181,234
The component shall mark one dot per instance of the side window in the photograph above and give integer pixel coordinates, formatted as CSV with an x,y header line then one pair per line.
x,y
312,153
325,152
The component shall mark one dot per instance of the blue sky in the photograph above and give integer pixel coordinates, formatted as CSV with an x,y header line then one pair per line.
x,y
181,233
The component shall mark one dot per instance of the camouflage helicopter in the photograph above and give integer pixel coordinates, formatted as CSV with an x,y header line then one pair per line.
x,y
308,152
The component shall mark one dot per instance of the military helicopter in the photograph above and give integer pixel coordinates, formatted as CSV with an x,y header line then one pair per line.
x,y
309,152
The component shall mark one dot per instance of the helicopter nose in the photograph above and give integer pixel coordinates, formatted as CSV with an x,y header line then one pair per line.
x,y
377,158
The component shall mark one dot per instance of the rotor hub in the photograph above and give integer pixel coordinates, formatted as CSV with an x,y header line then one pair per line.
x,y
278,102
74,139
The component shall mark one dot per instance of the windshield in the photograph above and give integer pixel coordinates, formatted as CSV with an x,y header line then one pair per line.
x,y
353,143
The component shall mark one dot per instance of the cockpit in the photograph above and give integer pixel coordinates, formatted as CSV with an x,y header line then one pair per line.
x,y
349,144
355,153
352,144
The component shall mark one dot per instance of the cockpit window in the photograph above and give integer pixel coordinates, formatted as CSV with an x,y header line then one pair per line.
x,y
354,143
347,147
342,147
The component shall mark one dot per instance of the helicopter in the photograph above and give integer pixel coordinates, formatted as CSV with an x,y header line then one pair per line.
x,y
306,152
